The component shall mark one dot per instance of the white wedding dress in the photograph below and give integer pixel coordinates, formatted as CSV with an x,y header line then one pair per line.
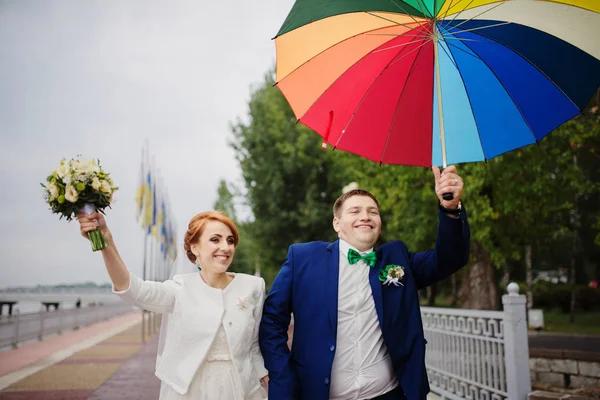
x,y
216,379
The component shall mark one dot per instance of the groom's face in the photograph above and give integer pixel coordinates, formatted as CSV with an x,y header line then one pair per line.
x,y
358,222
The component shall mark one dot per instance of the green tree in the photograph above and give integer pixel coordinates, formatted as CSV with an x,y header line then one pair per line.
x,y
290,184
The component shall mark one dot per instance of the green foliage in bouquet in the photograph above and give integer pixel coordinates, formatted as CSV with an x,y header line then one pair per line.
x,y
78,185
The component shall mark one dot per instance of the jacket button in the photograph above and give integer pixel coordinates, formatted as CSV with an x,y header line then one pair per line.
x,y
327,381
332,348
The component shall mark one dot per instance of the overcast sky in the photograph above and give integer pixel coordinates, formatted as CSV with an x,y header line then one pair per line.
x,y
97,78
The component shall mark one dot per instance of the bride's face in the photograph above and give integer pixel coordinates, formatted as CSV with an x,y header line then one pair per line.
x,y
215,248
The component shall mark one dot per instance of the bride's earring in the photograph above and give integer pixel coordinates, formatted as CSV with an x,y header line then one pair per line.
x,y
197,262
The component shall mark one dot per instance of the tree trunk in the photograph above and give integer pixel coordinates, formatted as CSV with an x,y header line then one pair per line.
x,y
479,290
431,294
506,275
529,272
257,266
572,273
454,299
572,276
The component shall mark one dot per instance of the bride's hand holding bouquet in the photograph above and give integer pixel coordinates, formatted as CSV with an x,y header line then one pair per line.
x,y
81,187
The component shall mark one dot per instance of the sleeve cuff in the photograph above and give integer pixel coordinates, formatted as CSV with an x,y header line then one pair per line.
x,y
259,364
132,290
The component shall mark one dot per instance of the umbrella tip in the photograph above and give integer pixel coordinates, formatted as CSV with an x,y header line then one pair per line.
x,y
297,120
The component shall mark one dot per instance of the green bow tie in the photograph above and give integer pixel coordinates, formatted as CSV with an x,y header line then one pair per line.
x,y
369,259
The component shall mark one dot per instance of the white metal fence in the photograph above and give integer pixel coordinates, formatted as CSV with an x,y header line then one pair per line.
x,y
25,327
479,354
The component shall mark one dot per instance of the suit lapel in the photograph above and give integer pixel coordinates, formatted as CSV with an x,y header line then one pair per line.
x,y
333,277
376,287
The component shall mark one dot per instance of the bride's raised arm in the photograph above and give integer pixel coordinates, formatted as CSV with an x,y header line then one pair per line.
x,y
149,295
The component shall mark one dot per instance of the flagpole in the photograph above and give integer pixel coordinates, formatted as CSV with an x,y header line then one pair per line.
x,y
144,278
142,199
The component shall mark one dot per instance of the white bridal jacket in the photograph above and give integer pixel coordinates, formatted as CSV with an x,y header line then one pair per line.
x,y
196,313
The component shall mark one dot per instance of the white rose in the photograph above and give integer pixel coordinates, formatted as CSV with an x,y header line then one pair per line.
x,y
105,186
52,191
71,194
67,179
94,167
95,183
79,177
87,167
62,170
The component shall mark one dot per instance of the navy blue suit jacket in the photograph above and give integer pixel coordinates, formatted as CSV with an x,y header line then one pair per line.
x,y
307,286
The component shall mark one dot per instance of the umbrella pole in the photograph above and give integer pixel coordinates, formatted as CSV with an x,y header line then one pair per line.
x,y
445,196
439,97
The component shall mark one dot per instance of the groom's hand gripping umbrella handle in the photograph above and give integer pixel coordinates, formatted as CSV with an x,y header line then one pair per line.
x,y
447,196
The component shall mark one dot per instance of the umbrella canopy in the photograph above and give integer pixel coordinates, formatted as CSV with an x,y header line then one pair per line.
x,y
387,79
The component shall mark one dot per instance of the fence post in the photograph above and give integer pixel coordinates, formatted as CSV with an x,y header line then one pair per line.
x,y
76,319
41,335
516,346
15,342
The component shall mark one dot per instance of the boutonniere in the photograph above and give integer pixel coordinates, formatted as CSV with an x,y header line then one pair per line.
x,y
242,303
392,274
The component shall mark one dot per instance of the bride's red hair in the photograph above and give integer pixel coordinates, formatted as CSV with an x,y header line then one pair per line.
x,y
196,227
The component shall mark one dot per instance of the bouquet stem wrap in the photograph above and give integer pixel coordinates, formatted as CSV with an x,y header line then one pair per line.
x,y
96,238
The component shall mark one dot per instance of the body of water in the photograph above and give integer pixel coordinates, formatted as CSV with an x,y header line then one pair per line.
x,y
30,303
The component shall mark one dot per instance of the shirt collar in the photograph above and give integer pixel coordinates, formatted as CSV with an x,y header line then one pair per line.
x,y
345,246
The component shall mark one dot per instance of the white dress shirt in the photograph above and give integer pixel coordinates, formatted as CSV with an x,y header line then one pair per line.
x,y
362,368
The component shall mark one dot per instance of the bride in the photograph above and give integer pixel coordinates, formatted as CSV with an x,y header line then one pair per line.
x,y
211,349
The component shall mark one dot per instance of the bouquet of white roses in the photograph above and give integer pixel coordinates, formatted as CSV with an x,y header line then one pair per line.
x,y
78,185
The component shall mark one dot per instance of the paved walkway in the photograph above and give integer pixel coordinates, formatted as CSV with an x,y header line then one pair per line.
x,y
106,361
103,361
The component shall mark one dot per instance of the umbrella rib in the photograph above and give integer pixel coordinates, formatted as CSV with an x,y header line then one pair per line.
x,y
419,2
478,28
394,47
387,138
342,41
458,48
457,14
471,107
449,8
404,56
478,15
464,40
526,59
404,11
397,34
367,92
318,97
505,89
451,58
395,22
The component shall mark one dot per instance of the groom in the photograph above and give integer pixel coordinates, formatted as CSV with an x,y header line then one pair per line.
x,y
357,324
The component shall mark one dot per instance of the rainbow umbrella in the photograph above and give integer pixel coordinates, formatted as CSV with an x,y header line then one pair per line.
x,y
384,78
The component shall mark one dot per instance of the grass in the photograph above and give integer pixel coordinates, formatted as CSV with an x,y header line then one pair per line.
x,y
587,322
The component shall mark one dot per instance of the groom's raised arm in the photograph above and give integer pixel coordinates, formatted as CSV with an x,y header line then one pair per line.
x,y
273,333
451,253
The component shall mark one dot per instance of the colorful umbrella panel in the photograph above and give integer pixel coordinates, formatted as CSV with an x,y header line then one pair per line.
x,y
386,79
